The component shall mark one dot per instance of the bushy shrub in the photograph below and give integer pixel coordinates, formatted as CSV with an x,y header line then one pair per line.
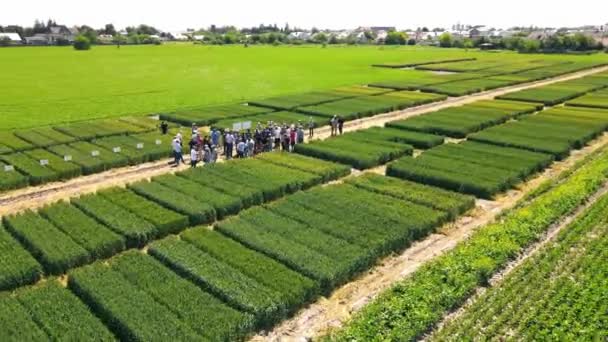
x,y
82,43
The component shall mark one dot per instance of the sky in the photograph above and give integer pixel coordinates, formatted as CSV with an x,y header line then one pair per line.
x,y
176,15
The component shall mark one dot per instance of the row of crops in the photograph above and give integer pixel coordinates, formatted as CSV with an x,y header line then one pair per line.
x,y
470,77
558,293
465,77
370,147
597,99
252,271
28,139
65,235
458,122
415,305
70,160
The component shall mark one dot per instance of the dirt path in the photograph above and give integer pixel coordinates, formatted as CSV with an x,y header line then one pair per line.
x,y
331,312
35,197
497,279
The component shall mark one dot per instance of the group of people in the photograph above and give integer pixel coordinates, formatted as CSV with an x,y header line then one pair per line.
x,y
337,125
264,138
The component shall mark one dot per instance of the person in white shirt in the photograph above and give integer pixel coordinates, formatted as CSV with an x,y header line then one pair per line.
x,y
177,150
229,145
193,156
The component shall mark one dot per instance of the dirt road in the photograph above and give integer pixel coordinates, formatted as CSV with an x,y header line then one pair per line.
x,y
35,197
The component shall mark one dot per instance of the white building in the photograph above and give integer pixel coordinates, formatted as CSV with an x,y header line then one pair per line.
x,y
14,38
301,35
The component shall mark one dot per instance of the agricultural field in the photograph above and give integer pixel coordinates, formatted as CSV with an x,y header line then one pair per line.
x,y
597,99
174,77
368,148
231,249
458,122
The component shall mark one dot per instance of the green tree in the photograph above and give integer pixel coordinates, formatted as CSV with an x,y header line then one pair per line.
x,y
320,38
333,39
446,40
109,29
82,43
530,46
396,38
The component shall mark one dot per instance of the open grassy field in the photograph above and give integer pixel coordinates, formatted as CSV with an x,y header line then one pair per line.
x,y
50,85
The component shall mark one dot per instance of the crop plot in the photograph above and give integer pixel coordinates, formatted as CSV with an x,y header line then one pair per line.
x,y
555,131
598,99
369,148
471,168
560,92
558,290
458,122
360,107
279,118
205,116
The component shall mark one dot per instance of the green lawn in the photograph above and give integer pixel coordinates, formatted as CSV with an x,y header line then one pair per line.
x,y
49,85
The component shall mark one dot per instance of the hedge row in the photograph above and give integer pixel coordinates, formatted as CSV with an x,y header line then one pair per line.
x,y
53,248
17,266
131,313
199,310
458,122
205,116
475,171
136,230
415,305
364,106
224,281
60,314
555,131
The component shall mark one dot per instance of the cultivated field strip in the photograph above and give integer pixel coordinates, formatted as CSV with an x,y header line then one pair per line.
x,y
90,149
556,292
93,158
416,304
258,275
96,226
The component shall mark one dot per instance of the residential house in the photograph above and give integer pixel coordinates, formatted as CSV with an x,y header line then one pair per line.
x,y
14,38
56,34
300,35
105,39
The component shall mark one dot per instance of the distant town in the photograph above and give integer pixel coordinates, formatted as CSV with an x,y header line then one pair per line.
x,y
528,39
